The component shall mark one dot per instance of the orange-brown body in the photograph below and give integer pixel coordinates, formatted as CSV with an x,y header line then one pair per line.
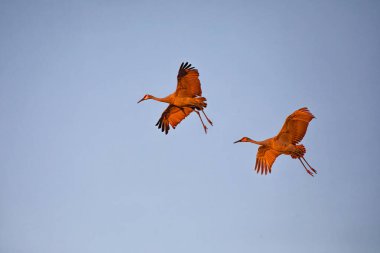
x,y
186,99
285,142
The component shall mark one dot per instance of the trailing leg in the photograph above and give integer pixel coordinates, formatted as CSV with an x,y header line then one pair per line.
x,y
209,121
309,165
308,171
204,126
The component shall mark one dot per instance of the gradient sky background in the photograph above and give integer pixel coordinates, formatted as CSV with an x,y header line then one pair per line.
x,y
84,169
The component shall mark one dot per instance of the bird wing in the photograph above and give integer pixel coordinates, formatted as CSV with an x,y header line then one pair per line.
x,y
264,159
295,126
188,84
173,115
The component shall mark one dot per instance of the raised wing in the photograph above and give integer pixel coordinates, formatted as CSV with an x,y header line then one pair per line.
x,y
264,159
188,84
295,126
172,115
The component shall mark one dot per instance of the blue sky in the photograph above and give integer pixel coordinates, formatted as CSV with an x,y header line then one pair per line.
x,y
84,169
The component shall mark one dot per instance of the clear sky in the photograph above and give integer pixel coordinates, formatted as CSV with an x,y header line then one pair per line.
x,y
84,169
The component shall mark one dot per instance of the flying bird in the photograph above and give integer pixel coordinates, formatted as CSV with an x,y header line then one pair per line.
x,y
186,99
285,142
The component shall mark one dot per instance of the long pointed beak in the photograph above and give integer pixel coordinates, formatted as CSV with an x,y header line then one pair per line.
x,y
237,141
140,100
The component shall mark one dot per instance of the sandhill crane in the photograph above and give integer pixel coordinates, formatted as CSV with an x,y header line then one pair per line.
x,y
186,99
292,132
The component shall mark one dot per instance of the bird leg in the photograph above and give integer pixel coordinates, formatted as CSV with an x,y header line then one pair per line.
x,y
209,121
309,165
204,126
308,171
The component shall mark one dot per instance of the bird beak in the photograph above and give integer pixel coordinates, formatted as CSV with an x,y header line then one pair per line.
x,y
141,100
237,141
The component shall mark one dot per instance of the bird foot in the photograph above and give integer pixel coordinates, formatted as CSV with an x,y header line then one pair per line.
x,y
205,128
209,121
311,174
314,170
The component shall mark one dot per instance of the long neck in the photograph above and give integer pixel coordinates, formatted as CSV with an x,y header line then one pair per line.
x,y
167,99
259,142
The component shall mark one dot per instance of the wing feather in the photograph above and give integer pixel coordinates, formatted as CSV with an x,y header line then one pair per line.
x,y
172,116
188,84
295,126
264,159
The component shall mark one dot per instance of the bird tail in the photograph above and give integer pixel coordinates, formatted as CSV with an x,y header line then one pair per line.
x,y
201,102
300,151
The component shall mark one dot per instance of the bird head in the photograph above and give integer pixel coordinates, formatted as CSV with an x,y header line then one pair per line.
x,y
244,139
146,97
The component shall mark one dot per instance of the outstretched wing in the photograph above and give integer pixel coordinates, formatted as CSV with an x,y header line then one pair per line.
x,y
295,126
264,159
188,84
172,115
